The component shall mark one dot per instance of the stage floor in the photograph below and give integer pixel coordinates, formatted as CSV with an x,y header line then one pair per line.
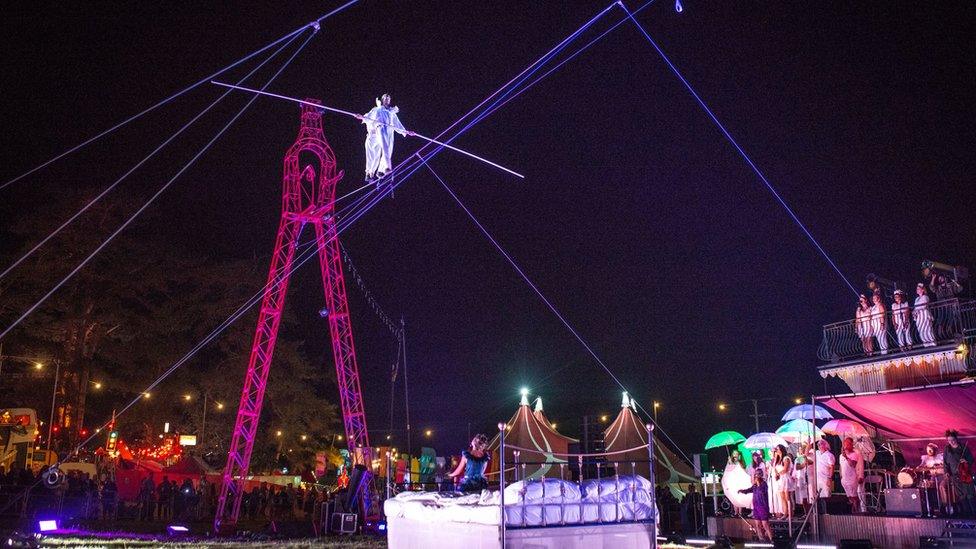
x,y
883,531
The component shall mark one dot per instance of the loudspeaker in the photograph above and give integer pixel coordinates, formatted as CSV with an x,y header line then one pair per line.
x,y
343,523
836,505
855,544
903,502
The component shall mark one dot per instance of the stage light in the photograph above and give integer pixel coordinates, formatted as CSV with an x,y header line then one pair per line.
x,y
388,437
324,312
220,405
524,391
47,525
38,366
177,530
678,7
553,425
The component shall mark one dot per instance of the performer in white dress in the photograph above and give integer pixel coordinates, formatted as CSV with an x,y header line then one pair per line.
x,y
901,318
825,469
923,317
381,123
852,474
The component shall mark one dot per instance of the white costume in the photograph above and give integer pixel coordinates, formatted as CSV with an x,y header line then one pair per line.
x,y
801,479
825,466
901,318
851,470
879,326
862,325
923,320
381,122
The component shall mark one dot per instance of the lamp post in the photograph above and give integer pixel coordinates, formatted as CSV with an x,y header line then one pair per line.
x,y
656,406
54,396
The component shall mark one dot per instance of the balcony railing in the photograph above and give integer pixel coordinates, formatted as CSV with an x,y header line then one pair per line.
x,y
947,322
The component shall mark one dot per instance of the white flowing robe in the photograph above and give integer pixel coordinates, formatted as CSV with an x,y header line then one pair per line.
x,y
381,123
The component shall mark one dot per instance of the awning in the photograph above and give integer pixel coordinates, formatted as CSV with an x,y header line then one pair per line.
x,y
913,417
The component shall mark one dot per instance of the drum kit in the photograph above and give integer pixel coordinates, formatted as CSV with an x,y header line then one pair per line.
x,y
926,480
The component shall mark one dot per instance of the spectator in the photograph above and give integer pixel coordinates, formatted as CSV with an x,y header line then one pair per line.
x,y
110,493
254,502
147,492
163,503
901,319
879,322
923,317
862,324
852,475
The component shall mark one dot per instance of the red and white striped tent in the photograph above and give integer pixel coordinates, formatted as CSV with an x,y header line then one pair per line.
x,y
542,448
628,432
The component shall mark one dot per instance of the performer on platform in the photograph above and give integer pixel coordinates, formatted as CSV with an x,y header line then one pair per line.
x,y
932,466
958,467
879,322
825,470
781,476
381,123
852,474
735,463
862,324
802,468
760,505
901,318
474,463
923,317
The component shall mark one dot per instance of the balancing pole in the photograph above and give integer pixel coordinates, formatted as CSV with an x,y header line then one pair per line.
x,y
358,116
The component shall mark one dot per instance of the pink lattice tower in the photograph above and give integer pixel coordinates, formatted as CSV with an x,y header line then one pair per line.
x,y
308,197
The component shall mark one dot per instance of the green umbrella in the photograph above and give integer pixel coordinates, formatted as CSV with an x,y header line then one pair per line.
x,y
725,438
799,429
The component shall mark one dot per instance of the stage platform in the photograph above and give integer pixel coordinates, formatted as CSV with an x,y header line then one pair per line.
x,y
883,531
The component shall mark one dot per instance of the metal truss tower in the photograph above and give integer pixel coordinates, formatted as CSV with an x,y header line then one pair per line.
x,y
309,187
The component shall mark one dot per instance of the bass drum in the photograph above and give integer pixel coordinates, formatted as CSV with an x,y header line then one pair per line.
x,y
906,477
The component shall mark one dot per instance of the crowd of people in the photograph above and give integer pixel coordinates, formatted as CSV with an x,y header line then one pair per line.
x,y
86,497
787,480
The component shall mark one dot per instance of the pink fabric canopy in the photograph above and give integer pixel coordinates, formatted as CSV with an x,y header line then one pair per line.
x,y
923,413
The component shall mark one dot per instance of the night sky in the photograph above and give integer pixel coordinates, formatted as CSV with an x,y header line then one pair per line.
x,y
636,217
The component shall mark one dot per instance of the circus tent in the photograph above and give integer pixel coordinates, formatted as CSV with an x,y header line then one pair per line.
x,y
543,449
548,425
627,431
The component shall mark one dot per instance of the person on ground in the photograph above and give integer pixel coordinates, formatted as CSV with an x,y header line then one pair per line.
x,y
473,464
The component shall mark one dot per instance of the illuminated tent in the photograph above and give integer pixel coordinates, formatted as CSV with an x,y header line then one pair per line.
x,y
627,431
541,416
543,448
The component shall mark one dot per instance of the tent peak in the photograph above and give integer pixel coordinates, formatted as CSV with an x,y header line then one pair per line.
x,y
626,401
538,404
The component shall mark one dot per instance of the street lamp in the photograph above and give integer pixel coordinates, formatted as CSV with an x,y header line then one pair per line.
x,y
428,433
96,384
38,365
146,395
722,407
188,398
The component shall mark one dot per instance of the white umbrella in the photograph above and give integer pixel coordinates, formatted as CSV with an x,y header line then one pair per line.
x,y
764,441
807,411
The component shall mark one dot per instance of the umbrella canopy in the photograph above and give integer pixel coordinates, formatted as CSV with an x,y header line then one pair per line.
x,y
799,429
845,428
765,441
725,438
807,411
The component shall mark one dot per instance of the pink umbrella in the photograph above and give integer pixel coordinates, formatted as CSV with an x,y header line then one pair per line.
x,y
845,428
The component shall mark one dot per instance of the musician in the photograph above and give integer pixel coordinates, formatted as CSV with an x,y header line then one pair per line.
x,y
932,466
958,467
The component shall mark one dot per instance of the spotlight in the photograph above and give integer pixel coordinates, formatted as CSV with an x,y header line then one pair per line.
x,y
678,7
47,525
324,312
